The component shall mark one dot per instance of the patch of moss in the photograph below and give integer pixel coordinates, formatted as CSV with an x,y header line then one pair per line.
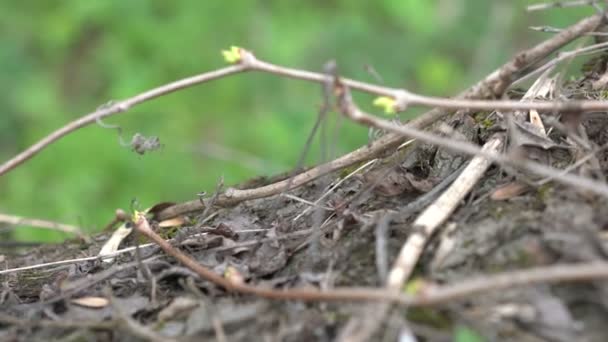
x,y
348,170
544,191
169,232
430,317
480,116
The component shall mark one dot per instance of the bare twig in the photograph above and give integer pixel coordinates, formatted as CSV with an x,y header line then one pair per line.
x,y
575,165
494,84
18,220
334,187
427,297
551,29
552,274
561,4
115,108
436,214
365,294
354,113
404,98
304,232
309,203
424,226
73,261
506,280
567,55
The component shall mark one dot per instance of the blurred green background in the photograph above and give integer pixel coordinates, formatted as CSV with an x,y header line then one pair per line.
x,y
62,59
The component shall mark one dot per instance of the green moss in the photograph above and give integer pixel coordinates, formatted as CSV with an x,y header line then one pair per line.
x,y
169,232
348,170
480,117
430,317
544,191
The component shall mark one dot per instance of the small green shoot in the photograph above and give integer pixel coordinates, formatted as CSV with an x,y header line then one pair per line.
x,y
233,55
386,103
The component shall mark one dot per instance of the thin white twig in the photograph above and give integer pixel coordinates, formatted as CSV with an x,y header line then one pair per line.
x,y
402,97
561,4
581,183
432,217
18,220
566,55
551,29
335,186
309,203
575,165
73,261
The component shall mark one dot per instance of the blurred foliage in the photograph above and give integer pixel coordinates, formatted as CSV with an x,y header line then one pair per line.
x,y
60,60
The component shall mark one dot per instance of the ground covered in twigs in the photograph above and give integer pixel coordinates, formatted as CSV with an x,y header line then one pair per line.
x,y
508,222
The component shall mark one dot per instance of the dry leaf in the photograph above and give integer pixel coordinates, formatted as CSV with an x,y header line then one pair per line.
x,y
158,207
180,306
510,190
173,222
537,122
114,241
91,302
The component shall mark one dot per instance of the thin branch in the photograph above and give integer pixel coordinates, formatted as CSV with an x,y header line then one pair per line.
x,y
561,4
494,84
428,297
18,220
567,55
426,224
335,186
405,98
309,203
307,294
432,296
349,109
423,227
575,165
72,261
507,280
491,86
551,29
435,296
132,248
115,108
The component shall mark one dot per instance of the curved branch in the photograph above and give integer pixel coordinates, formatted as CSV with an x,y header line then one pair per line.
x,y
492,85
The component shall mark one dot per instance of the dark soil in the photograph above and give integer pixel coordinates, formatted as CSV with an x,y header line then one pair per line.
x,y
260,241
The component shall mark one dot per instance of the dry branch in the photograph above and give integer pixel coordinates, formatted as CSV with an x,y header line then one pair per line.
x,y
493,85
44,224
432,296
433,216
